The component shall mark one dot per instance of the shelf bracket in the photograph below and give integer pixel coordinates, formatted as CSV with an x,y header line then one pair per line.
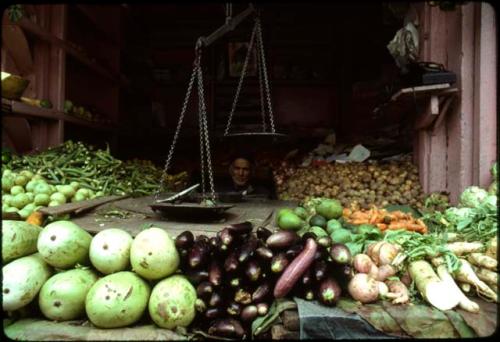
x,y
230,25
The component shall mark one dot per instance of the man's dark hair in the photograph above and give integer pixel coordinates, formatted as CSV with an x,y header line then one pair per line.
x,y
245,156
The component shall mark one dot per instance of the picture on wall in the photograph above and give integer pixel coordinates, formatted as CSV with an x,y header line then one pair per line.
x,y
237,54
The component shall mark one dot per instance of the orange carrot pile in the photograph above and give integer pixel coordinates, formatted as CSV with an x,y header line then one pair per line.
x,y
384,219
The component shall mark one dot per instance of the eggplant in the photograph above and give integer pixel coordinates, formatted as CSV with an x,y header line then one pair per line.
x,y
241,228
249,313
324,241
227,327
320,269
203,238
263,233
242,296
231,263
306,278
264,253
215,273
215,300
329,291
343,274
199,254
213,313
227,237
340,254
262,292
282,239
234,309
279,263
215,242
262,309
196,276
204,290
200,305
253,270
293,251
184,240
248,249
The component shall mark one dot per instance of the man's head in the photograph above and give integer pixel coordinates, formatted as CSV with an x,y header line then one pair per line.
x,y
240,170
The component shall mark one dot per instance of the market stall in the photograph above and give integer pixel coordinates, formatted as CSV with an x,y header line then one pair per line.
x,y
117,222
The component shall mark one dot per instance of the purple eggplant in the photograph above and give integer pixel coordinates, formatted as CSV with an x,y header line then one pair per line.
x,y
262,309
199,254
227,237
279,263
340,254
320,269
282,239
215,273
227,327
234,309
184,240
215,312
308,235
264,253
343,274
241,228
248,249
262,292
203,238
216,299
249,313
215,242
196,276
231,263
293,251
329,291
263,233
204,290
253,270
321,253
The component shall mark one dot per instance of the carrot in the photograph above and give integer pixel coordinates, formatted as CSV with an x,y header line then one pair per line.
x,y
382,226
359,221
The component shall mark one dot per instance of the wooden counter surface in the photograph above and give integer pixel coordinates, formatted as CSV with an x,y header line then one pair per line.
x,y
134,214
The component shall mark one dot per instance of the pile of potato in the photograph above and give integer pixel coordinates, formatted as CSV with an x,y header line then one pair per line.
x,y
356,185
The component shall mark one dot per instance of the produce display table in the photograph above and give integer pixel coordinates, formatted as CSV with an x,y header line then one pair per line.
x,y
133,214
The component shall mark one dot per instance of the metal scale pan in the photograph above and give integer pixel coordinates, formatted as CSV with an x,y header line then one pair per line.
x,y
190,211
252,138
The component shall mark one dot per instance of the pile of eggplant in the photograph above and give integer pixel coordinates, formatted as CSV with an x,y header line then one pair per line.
x,y
239,272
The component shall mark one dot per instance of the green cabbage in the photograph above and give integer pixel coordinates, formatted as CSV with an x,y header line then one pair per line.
x,y
456,215
472,197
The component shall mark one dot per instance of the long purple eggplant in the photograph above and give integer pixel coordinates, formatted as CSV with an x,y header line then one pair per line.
x,y
196,276
231,263
249,313
216,299
227,237
241,228
247,249
215,273
253,270
227,327
204,290
214,312
262,292
282,239
199,254
203,238
264,253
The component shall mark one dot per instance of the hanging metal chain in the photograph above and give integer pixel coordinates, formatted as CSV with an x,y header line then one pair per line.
x,y
243,73
177,130
205,142
261,89
264,69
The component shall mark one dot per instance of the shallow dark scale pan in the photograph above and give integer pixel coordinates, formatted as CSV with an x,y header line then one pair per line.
x,y
190,211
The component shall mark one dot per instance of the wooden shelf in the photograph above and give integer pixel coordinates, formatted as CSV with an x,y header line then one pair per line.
x,y
41,33
87,13
16,108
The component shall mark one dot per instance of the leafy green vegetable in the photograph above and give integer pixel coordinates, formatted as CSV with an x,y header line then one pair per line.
x,y
472,197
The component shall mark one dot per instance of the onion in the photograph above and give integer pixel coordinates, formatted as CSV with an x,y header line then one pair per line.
x,y
363,288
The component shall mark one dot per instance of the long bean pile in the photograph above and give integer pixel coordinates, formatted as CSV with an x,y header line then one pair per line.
x,y
94,169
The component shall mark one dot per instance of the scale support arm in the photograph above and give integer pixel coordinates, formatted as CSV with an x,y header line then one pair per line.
x,y
229,26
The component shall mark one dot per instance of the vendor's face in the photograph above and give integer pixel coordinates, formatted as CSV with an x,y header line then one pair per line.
x,y
240,171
